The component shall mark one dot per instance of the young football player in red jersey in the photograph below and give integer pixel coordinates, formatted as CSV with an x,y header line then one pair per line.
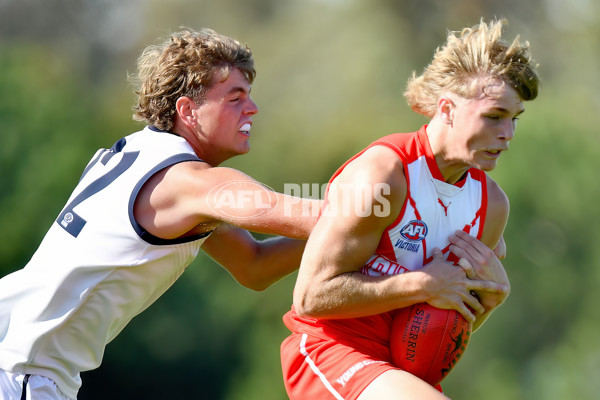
x,y
424,200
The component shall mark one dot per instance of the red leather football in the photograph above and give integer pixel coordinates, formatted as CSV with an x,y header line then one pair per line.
x,y
428,341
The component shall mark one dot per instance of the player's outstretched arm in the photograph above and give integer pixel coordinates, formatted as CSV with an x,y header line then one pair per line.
x,y
254,264
192,198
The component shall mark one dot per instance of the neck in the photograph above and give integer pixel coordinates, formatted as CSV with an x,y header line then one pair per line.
x,y
438,132
201,148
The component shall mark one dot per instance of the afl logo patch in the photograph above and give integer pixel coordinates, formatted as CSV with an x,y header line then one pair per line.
x,y
415,230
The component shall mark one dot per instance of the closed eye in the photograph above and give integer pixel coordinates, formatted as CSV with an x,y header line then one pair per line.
x,y
236,94
493,117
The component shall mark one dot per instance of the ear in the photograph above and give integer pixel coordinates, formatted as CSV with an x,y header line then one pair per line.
x,y
185,111
446,109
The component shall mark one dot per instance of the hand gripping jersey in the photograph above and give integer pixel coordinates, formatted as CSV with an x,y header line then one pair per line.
x,y
432,211
95,269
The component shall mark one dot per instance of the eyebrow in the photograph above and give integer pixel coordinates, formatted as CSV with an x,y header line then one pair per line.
x,y
239,89
505,111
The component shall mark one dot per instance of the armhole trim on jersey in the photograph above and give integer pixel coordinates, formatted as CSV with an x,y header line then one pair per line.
x,y
142,233
408,198
482,213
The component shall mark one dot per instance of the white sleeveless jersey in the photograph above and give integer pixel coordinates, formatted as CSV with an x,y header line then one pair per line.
x,y
95,269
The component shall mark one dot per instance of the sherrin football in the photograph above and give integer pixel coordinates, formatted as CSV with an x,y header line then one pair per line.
x,y
427,341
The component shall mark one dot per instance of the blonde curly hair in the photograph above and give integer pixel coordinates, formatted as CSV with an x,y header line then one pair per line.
x,y
468,57
187,64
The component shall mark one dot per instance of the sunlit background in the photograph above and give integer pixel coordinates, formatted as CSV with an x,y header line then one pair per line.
x,y
330,79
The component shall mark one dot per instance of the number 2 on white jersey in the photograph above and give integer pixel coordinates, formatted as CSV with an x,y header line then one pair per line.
x,y
68,219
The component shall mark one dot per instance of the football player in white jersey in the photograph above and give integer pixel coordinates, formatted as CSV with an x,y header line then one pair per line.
x,y
140,214
422,196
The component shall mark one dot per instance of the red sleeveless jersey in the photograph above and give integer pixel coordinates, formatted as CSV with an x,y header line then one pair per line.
x,y
432,211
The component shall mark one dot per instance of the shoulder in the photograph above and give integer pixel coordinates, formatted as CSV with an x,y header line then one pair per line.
x,y
375,178
376,164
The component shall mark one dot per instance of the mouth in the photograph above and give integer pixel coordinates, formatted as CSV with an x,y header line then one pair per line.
x,y
245,129
494,153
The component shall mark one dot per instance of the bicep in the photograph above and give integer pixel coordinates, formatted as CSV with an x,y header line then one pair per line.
x,y
230,196
352,222
337,247
340,244
190,195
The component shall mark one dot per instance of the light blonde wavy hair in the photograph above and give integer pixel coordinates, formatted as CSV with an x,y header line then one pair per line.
x,y
468,57
187,64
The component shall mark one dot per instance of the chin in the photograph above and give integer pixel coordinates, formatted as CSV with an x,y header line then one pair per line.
x,y
244,150
487,167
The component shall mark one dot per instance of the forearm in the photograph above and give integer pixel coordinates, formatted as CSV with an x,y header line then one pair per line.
x,y
323,294
481,263
353,294
285,216
481,318
254,264
274,259
490,301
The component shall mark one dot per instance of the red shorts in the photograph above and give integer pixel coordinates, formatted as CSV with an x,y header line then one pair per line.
x,y
325,369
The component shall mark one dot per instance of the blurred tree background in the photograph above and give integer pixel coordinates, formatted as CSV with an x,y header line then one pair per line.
x,y
330,79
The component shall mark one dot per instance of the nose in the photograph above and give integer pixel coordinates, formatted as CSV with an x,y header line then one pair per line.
x,y
251,108
508,130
